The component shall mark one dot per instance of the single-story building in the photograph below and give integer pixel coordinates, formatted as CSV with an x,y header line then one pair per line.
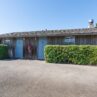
x,y
30,45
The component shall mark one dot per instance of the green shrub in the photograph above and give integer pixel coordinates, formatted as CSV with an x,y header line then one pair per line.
x,y
3,51
75,54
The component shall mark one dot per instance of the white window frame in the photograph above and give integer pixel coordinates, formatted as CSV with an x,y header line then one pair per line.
x,y
69,40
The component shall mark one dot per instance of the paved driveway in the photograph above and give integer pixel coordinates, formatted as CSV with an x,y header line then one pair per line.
x,y
23,78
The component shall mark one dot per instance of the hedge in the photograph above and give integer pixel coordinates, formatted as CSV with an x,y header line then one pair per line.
x,y
3,51
73,54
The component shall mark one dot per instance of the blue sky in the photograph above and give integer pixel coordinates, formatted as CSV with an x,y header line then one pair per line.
x,y
30,15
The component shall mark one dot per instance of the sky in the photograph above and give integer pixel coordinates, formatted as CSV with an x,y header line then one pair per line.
x,y
33,15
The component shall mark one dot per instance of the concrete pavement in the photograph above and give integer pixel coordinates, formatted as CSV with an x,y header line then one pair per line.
x,y
28,78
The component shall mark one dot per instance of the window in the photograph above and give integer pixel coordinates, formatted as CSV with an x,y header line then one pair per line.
x,y
69,40
7,42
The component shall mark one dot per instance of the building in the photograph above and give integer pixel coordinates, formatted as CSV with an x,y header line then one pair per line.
x,y
30,45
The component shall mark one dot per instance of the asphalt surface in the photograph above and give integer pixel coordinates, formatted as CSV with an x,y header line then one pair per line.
x,y
27,78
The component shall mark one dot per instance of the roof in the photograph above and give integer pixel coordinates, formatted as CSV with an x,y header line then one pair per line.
x,y
44,33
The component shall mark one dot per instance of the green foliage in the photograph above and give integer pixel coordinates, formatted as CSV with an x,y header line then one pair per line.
x,y
75,54
3,51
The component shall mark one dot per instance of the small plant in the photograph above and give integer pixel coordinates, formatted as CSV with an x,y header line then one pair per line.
x,y
3,51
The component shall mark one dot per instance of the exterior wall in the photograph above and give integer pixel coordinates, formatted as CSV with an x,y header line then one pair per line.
x,y
87,39
55,40
62,40
81,39
26,41
51,40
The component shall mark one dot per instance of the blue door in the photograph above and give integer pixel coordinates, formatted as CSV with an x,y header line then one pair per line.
x,y
41,44
19,49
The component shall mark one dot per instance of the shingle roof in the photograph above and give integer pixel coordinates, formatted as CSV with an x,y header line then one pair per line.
x,y
84,31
